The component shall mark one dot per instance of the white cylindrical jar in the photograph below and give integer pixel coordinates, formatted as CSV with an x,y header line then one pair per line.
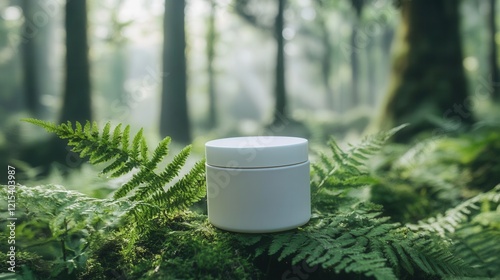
x,y
258,184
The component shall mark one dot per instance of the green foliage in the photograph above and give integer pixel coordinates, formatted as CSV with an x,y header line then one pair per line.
x,y
147,183
348,236
363,243
68,211
337,174
434,177
65,222
36,264
187,247
474,227
60,222
436,174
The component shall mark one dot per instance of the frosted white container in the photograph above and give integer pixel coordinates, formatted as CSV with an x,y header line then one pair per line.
x,y
258,184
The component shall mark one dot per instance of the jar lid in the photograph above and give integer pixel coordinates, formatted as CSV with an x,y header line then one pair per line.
x,y
256,151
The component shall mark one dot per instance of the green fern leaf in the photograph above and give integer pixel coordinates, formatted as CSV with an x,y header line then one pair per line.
x,y
117,134
188,189
78,129
144,149
344,166
159,153
105,132
348,236
150,198
476,243
125,138
136,145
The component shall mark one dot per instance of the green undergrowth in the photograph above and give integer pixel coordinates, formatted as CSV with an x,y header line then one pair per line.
x,y
436,174
431,225
184,247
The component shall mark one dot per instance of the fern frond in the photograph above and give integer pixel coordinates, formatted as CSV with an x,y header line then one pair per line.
x,y
171,171
453,218
136,145
355,242
346,235
117,134
475,240
160,152
125,138
69,211
194,181
346,165
105,132
147,183
144,149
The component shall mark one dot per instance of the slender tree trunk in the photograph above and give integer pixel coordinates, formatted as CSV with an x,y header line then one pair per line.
x,y
77,100
174,120
45,58
355,77
428,80
211,41
355,100
326,64
493,55
280,89
29,46
76,95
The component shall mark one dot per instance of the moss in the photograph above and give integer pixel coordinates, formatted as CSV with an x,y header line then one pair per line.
x,y
184,247
106,259
28,263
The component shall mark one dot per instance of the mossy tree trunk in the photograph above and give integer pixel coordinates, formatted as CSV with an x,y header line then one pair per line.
x,y
77,100
428,88
174,120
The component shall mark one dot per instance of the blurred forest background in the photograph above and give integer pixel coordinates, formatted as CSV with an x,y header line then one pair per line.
x,y
202,69
197,70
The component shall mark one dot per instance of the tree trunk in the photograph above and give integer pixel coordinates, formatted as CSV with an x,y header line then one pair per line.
x,y
280,89
76,95
355,100
385,66
355,80
493,58
428,80
326,63
29,47
211,40
77,100
174,120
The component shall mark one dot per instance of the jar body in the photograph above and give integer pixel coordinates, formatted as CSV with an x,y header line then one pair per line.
x,y
256,200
